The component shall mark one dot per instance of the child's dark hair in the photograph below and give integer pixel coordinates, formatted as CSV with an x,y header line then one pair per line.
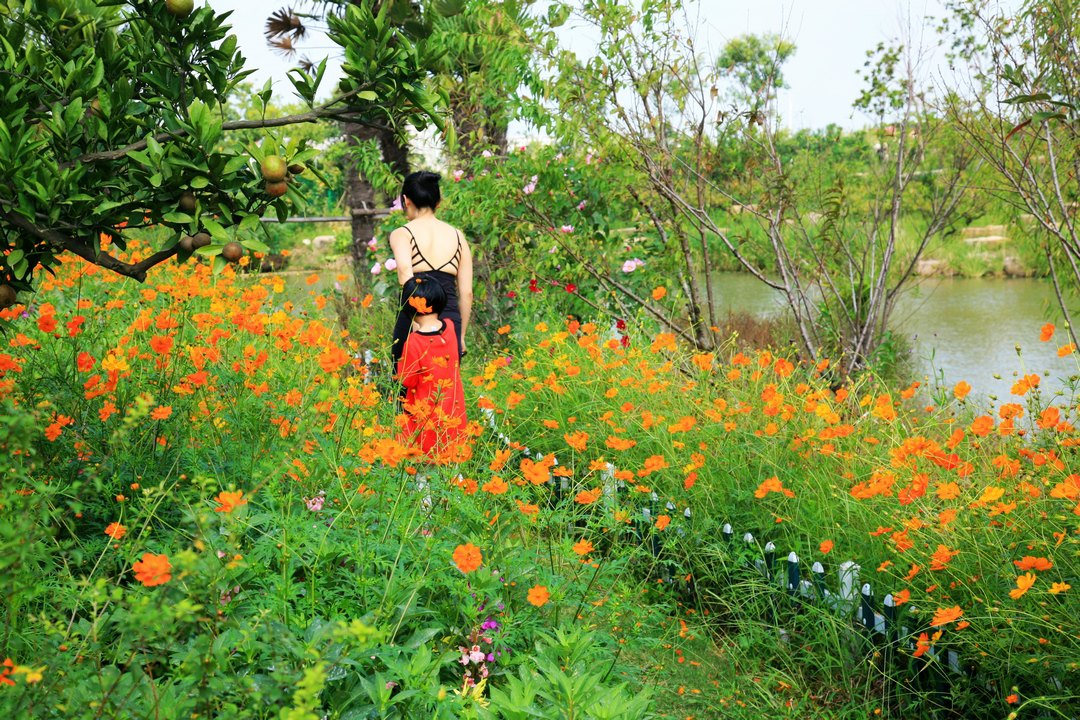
x,y
428,290
422,188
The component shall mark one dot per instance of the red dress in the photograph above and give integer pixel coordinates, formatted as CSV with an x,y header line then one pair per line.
x,y
434,402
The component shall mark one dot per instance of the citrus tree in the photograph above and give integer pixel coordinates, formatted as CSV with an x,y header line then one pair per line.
x,y
114,118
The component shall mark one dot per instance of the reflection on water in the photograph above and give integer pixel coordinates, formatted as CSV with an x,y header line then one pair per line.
x,y
960,329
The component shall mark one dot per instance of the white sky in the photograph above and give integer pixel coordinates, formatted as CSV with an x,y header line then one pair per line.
x,y
831,36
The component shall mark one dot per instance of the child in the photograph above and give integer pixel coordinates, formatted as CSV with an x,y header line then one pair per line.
x,y
429,371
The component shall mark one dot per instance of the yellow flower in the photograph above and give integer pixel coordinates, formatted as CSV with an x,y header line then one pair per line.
x,y
1060,587
1023,584
475,693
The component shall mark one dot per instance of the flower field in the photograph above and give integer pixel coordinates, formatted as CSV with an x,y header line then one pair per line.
x,y
207,513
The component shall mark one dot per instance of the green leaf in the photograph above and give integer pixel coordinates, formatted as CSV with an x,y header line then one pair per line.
x,y
215,229
255,245
199,182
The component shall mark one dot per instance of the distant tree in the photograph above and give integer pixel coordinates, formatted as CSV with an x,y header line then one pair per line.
x,y
754,63
833,245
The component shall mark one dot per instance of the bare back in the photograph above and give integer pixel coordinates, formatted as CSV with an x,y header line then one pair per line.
x,y
434,245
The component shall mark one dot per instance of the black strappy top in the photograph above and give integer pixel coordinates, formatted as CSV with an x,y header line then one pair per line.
x,y
418,256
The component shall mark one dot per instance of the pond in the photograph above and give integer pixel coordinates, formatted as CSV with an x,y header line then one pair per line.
x,y
959,329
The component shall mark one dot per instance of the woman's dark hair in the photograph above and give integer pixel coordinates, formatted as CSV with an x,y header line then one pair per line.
x,y
422,188
428,290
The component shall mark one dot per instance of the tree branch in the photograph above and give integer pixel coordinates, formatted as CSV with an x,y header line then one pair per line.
x,y
93,255
320,113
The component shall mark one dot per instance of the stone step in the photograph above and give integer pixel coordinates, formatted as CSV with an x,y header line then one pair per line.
x,y
984,231
987,240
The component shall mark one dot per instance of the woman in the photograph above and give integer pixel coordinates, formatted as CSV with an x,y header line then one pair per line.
x,y
426,247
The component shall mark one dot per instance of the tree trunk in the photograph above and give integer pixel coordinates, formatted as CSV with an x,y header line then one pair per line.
x,y
360,195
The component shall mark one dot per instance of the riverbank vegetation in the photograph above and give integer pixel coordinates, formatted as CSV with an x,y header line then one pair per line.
x,y
208,476
657,511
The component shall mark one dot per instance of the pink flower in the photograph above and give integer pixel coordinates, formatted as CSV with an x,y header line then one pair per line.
x,y
486,153
376,268
530,188
627,267
567,228
315,504
581,205
458,174
372,244
396,205
390,264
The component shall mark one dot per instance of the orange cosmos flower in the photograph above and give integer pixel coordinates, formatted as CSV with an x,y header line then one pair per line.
x,y
662,522
46,323
944,616
899,598
1023,584
1049,418
536,473
501,456
825,547
961,390
982,425
161,413
1065,350
587,497
583,547
1033,563
924,642
577,440
495,486
539,595
527,509
420,305
658,293
115,530
161,344
153,569
1047,332
1059,587
942,557
230,500
85,362
652,464
467,557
